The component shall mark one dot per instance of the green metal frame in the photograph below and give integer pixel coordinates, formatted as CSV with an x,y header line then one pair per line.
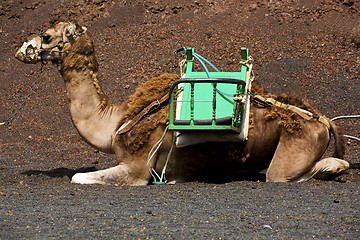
x,y
198,102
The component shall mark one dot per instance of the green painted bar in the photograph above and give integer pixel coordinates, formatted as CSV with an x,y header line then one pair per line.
x,y
198,105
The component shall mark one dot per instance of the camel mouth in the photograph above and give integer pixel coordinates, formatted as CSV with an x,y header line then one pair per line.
x,y
28,53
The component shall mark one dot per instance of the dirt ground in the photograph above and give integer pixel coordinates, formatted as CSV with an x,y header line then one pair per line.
x,y
306,47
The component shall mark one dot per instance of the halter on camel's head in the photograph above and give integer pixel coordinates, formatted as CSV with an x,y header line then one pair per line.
x,y
50,44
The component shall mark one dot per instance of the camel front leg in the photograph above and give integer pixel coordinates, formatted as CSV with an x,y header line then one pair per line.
x,y
119,175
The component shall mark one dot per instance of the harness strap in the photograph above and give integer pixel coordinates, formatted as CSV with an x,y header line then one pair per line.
x,y
301,112
61,42
130,124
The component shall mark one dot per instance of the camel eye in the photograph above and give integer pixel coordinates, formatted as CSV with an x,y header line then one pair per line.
x,y
46,38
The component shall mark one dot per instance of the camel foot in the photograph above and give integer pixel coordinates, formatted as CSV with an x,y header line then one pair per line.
x,y
117,176
87,178
325,169
330,167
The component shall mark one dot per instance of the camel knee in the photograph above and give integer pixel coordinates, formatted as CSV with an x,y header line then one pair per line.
x,y
329,168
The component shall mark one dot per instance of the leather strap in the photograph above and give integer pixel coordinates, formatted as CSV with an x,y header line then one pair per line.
x,y
301,112
150,108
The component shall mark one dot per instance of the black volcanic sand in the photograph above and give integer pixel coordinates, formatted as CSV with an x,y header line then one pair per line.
x,y
303,47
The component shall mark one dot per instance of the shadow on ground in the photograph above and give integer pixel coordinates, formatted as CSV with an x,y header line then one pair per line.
x,y
60,172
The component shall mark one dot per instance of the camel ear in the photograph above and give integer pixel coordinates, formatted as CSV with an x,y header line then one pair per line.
x,y
70,30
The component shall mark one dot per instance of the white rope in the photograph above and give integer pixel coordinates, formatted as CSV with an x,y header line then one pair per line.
x,y
352,137
167,160
340,117
150,168
151,154
350,116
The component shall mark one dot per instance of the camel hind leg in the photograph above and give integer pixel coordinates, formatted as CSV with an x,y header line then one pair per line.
x,y
296,158
297,155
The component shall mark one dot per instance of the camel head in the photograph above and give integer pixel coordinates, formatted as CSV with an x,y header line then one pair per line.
x,y
50,43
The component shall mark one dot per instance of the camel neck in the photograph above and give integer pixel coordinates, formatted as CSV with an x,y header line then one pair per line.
x,y
95,120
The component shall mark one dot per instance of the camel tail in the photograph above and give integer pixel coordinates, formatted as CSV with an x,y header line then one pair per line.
x,y
340,140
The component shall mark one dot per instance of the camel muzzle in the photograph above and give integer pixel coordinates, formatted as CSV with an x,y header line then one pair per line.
x,y
28,53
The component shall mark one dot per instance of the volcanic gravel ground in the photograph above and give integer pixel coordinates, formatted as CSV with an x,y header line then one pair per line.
x,y
306,47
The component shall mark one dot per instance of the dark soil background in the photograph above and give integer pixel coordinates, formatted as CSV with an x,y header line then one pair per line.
x,y
306,47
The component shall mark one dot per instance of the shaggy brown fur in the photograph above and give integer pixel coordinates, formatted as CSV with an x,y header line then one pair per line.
x,y
287,118
81,55
140,133
282,97
257,89
148,92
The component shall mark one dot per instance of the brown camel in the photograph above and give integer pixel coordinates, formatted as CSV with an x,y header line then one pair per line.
x,y
289,147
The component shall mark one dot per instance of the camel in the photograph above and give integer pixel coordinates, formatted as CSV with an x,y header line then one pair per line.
x,y
287,146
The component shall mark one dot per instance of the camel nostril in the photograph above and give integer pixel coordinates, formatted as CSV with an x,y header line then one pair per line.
x,y
29,50
46,38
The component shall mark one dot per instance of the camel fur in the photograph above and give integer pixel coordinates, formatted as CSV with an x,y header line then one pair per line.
x,y
290,148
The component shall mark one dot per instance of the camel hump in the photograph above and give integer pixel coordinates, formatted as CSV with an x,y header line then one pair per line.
x,y
150,91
